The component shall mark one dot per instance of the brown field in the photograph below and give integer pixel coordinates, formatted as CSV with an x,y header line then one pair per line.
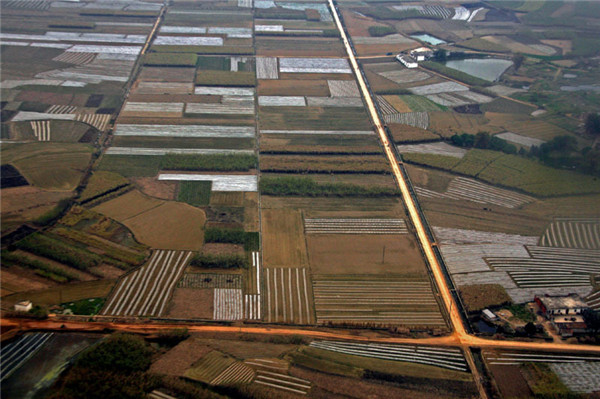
x,y
173,98
450,123
379,83
16,279
283,238
295,47
107,271
220,248
428,178
180,358
293,87
62,293
159,74
565,45
315,76
324,163
180,306
338,207
152,187
251,213
46,97
22,204
358,25
397,103
510,381
480,296
407,134
226,198
157,223
143,114
245,349
362,254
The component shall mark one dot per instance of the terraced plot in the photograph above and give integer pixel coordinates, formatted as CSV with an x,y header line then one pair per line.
x,y
228,304
288,296
449,358
355,226
15,354
470,258
237,373
593,300
273,374
573,233
146,291
462,188
374,301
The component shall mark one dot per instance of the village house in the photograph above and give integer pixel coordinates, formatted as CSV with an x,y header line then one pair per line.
x,y
564,312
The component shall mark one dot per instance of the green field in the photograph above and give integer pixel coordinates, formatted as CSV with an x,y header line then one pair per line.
x,y
512,171
214,162
421,104
170,59
100,182
482,45
225,78
505,106
314,118
131,165
184,142
196,193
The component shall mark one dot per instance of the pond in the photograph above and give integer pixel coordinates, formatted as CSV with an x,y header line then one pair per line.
x,y
485,68
428,39
485,327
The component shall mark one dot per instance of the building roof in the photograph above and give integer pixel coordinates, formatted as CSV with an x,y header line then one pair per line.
x,y
563,302
421,50
24,303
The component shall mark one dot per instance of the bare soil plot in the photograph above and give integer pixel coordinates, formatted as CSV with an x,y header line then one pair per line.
x,y
20,204
156,223
180,304
157,74
288,296
510,381
359,254
180,358
283,238
16,280
284,46
293,87
158,189
147,290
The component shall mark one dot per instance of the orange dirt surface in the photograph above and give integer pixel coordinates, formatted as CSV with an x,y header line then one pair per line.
x,y
294,87
158,189
362,254
191,303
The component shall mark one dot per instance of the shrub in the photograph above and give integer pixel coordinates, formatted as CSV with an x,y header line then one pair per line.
x,y
228,261
378,31
45,246
120,352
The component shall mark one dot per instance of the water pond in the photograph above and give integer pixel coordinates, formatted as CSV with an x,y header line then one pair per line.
x,y
485,68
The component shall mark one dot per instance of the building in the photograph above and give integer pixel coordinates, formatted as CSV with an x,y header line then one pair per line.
x,y
421,53
407,61
23,306
489,315
564,312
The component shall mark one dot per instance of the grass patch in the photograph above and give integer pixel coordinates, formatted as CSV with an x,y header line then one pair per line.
x,y
506,106
250,240
305,187
483,45
455,74
225,78
40,268
379,31
88,306
214,162
102,182
214,63
314,118
196,193
51,248
544,383
171,59
131,165
421,103
522,312
477,297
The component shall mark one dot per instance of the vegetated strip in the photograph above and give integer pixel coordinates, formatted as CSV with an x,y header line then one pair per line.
x,y
185,131
159,151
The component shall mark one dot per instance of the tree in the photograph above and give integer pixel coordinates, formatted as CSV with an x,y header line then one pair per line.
x,y
518,59
592,124
482,140
592,320
530,329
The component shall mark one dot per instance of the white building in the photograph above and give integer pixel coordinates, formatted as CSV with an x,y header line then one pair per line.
x,y
407,61
23,306
421,53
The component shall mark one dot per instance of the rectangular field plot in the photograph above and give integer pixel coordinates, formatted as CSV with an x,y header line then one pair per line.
x,y
219,182
153,109
222,109
579,377
223,91
462,188
185,131
376,301
228,304
320,132
446,87
210,280
404,75
314,65
446,235
287,296
161,151
266,68
86,48
99,121
512,358
146,291
281,101
343,88
416,119
439,148
449,358
352,102
520,139
355,226
188,41
470,258
584,234
164,88
283,238
282,382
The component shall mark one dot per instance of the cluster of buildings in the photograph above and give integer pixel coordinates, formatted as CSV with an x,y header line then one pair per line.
x,y
565,313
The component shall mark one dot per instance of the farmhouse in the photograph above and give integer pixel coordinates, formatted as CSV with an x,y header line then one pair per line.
x,y
564,312
407,61
421,53
23,306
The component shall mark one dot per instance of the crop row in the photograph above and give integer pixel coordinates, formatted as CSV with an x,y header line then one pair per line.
x,y
324,164
305,187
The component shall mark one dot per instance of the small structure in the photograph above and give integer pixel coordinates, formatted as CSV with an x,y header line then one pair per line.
x,y
407,61
564,312
23,306
489,315
421,53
